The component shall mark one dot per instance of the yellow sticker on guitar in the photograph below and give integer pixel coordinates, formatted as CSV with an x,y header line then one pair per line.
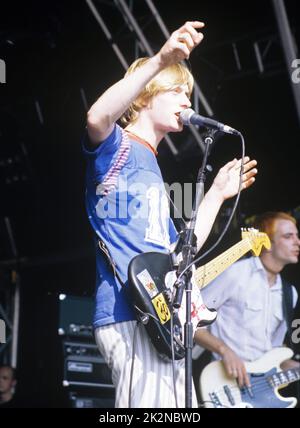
x,y
161,308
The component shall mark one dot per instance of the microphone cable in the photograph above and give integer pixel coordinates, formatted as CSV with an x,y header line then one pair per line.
x,y
237,198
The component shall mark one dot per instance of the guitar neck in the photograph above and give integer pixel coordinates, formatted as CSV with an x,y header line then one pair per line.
x,y
205,274
285,377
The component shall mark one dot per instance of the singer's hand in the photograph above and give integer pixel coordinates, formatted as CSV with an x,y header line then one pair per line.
x,y
181,43
226,183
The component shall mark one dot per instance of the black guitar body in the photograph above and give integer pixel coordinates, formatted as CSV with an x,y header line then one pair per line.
x,y
142,293
151,296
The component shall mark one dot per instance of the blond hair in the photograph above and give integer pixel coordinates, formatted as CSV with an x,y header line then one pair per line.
x,y
169,78
267,222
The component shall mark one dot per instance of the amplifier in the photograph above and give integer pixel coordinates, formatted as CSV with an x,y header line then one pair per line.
x,y
92,401
75,316
84,366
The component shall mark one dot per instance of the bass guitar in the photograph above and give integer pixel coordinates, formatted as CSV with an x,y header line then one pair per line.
x,y
221,391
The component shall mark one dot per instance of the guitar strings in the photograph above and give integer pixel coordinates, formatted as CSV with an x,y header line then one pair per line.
x,y
261,382
256,386
244,245
237,394
204,274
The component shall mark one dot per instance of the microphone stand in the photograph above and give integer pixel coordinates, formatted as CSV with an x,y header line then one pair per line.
x,y
189,250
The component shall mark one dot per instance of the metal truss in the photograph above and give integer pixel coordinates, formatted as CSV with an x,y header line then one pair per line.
x,y
289,48
133,24
252,54
10,307
261,53
9,313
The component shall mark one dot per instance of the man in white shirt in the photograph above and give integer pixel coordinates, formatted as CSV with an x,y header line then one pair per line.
x,y
249,299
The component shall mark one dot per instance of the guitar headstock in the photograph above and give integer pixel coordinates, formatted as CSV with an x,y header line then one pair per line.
x,y
257,240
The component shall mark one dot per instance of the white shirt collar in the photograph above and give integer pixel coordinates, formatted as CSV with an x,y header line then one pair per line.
x,y
257,265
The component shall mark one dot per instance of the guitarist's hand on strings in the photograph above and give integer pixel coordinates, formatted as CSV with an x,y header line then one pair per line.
x,y
235,367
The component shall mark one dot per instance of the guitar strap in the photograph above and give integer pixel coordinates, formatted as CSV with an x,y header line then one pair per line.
x,y
287,307
110,260
142,317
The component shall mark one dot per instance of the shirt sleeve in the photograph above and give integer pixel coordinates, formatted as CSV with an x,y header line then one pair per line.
x,y
102,157
109,145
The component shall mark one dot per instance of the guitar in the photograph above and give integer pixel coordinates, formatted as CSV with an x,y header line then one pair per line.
x,y
218,390
151,279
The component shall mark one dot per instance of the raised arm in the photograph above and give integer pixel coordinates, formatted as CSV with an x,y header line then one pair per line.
x,y
116,100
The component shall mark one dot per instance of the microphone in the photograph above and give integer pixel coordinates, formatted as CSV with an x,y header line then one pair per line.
x,y
189,117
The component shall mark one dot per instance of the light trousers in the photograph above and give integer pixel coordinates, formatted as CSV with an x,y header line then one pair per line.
x,y
152,382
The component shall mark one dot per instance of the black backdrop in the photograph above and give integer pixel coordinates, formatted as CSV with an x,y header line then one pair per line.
x,y
54,48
